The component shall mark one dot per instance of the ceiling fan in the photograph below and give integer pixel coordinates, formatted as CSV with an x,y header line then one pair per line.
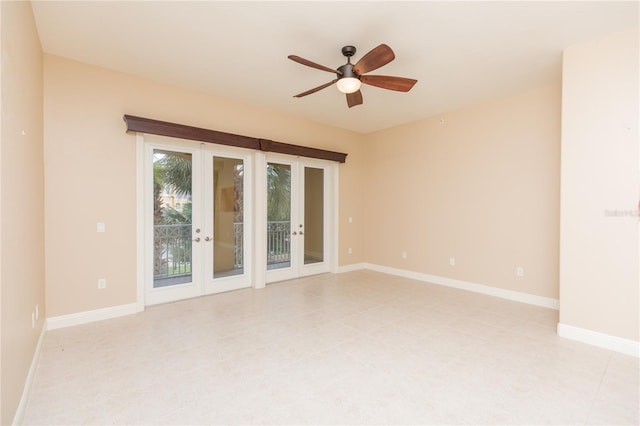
x,y
350,76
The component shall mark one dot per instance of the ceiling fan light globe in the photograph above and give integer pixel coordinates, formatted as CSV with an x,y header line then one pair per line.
x,y
348,85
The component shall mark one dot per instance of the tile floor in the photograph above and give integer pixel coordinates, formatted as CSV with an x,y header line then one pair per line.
x,y
354,348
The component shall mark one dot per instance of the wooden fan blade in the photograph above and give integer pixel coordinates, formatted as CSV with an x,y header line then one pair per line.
x,y
374,59
354,98
315,89
400,84
308,63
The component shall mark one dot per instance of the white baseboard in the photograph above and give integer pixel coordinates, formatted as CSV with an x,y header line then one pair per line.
x,y
531,299
350,268
91,316
18,418
612,343
606,341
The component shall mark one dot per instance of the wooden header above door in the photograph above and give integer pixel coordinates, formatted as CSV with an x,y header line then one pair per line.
x,y
181,131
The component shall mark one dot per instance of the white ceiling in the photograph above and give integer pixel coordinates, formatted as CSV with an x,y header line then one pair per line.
x,y
461,53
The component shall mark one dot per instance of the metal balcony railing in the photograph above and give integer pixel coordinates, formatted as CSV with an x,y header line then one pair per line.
x,y
172,247
278,242
172,251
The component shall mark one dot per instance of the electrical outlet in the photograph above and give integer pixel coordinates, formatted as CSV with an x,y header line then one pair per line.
x,y
102,283
452,261
404,254
350,251
37,312
520,271
100,227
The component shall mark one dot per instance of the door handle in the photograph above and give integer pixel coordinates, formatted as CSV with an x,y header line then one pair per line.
x,y
294,233
208,239
301,233
197,240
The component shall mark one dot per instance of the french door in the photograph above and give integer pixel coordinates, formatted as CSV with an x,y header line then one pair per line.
x,y
196,229
298,217
217,218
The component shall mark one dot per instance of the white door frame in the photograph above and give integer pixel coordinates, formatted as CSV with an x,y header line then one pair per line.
x,y
330,215
292,271
219,285
298,267
257,228
195,287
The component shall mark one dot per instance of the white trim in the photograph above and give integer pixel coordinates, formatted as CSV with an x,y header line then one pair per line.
x,y
334,218
211,283
545,302
91,316
140,211
259,226
606,341
154,295
350,268
18,418
298,268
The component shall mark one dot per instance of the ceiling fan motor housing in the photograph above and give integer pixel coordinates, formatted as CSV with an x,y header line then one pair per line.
x,y
346,70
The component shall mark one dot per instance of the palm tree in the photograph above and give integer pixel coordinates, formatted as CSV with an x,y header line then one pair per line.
x,y
278,212
157,194
177,172
171,172
171,216
278,192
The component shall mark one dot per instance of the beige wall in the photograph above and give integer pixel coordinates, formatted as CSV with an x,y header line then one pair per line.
x,y
600,175
483,187
21,200
90,173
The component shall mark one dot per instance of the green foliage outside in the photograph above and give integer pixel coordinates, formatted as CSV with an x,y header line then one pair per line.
x,y
278,192
172,172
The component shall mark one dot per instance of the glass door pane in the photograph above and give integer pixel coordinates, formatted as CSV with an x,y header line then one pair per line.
x,y
278,216
172,207
313,215
228,217
227,222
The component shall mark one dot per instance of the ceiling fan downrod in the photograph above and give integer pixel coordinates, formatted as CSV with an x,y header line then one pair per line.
x,y
346,70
